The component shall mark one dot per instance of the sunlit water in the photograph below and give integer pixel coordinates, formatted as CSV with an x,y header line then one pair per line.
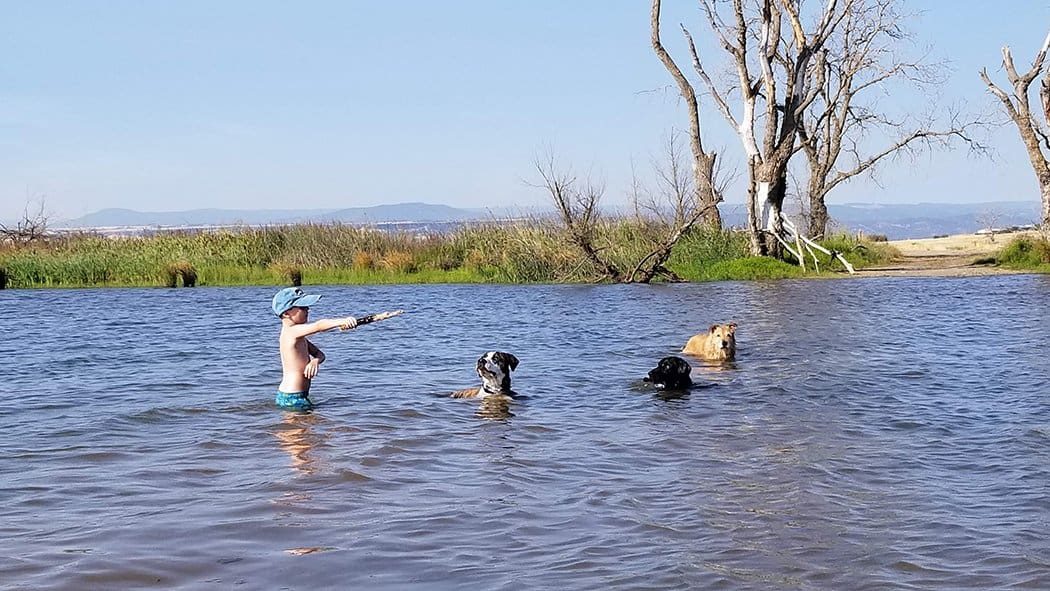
x,y
872,434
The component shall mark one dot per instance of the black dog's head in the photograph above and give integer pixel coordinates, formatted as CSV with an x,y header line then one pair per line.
x,y
494,369
672,373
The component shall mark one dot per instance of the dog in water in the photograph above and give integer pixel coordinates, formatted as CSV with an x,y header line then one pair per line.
x,y
494,370
672,373
718,344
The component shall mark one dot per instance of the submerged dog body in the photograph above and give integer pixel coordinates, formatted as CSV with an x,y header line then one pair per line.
x,y
718,344
672,373
494,370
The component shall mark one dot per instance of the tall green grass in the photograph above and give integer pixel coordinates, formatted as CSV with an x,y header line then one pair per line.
x,y
859,252
702,247
533,251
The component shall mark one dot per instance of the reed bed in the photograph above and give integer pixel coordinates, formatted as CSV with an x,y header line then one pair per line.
x,y
533,251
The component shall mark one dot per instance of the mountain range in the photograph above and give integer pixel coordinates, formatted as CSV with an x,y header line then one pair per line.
x,y
895,221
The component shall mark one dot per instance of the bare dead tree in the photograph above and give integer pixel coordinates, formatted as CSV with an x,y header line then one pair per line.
x,y
577,205
677,207
31,227
861,58
703,160
674,193
989,220
771,34
1031,126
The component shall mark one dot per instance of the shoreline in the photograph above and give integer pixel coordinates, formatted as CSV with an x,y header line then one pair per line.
x,y
948,256
961,255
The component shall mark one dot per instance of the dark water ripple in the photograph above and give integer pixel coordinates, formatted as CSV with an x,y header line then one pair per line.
x,y
875,434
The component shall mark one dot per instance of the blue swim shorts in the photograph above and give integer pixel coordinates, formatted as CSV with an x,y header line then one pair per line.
x,y
294,400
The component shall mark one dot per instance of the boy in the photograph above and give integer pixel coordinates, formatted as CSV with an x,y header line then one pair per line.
x,y
299,357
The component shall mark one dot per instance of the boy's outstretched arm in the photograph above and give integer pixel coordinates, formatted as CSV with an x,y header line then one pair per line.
x,y
302,330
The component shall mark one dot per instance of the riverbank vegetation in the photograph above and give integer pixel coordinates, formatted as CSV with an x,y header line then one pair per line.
x,y
1029,253
534,251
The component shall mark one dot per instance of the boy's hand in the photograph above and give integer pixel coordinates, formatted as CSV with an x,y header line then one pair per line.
x,y
311,368
348,323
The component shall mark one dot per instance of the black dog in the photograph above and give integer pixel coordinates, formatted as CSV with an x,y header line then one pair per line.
x,y
672,373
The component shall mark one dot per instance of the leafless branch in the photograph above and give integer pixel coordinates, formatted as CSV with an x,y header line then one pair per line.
x,y
31,227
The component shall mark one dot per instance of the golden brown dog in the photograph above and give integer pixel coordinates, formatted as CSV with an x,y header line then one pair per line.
x,y
718,344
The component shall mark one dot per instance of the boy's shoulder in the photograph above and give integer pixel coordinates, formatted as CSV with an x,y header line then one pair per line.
x,y
287,333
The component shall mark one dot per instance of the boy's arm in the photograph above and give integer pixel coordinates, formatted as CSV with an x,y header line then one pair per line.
x,y
302,330
315,362
315,352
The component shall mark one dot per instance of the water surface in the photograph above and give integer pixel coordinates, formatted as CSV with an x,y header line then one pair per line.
x,y
873,434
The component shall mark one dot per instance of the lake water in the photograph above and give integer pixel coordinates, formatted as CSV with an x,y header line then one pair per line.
x,y
873,434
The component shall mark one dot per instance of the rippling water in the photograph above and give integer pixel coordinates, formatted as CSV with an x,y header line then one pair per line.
x,y
872,434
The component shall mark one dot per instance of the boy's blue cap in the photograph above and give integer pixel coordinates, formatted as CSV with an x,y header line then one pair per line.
x,y
292,297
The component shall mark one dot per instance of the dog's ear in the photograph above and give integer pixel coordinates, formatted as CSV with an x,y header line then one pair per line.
x,y
678,365
714,327
512,361
732,327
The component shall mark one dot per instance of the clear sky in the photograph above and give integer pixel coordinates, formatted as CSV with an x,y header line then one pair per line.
x,y
172,105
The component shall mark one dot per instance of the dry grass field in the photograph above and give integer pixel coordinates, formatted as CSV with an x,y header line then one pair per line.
x,y
958,245
949,256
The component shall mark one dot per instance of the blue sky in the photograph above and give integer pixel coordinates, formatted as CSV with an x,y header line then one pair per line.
x,y
162,106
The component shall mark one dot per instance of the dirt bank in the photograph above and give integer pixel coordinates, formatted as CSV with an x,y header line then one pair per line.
x,y
948,256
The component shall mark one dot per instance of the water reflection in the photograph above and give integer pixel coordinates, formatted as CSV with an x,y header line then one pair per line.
x,y
297,436
494,407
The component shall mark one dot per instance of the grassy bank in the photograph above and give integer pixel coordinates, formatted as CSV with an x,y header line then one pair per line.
x,y
1029,253
529,252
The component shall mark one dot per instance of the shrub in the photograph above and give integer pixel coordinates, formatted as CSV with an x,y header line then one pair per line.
x,y
1025,253
289,274
364,261
399,261
183,270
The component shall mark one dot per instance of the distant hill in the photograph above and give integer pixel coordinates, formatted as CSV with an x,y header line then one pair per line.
x,y
923,220
417,212
913,220
896,221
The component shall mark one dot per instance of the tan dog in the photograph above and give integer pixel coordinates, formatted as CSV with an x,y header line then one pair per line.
x,y
494,370
718,344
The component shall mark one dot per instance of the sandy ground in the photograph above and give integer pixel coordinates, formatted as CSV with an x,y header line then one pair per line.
x,y
951,256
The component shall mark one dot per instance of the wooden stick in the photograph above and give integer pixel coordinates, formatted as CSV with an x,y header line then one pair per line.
x,y
378,316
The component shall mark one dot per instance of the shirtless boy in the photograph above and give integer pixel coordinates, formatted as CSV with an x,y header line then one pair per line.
x,y
299,357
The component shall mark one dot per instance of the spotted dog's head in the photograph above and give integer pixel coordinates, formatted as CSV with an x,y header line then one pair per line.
x,y
494,369
672,373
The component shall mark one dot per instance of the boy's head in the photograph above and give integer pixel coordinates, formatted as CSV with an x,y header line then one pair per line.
x,y
292,297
